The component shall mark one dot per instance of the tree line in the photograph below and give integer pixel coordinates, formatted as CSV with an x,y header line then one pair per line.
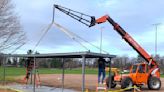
x,y
121,62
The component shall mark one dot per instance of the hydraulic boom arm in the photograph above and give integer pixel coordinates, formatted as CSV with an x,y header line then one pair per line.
x,y
81,17
91,21
128,39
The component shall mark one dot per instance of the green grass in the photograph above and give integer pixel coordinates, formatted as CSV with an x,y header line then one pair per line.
x,y
162,75
7,78
67,71
13,71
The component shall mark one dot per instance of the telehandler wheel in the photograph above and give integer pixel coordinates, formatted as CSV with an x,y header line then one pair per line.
x,y
113,84
154,83
126,82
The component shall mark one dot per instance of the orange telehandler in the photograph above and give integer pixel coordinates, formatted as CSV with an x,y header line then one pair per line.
x,y
146,73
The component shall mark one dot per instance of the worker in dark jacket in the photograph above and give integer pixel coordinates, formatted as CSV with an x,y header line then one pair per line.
x,y
101,70
29,65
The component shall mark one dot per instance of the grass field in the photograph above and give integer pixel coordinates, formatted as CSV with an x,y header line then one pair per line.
x,y
162,75
12,71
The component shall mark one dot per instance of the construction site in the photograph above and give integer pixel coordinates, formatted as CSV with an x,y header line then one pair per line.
x,y
87,65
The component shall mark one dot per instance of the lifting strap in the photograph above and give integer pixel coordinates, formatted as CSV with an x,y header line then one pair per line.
x,y
74,36
42,36
69,34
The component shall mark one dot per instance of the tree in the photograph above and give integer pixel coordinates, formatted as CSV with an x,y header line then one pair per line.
x,y
157,58
69,63
11,35
22,62
8,62
140,59
90,62
29,52
1,59
56,63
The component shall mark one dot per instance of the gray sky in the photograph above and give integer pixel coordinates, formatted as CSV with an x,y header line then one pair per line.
x,y
135,16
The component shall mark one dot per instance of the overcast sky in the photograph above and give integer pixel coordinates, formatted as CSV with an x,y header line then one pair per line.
x,y
135,16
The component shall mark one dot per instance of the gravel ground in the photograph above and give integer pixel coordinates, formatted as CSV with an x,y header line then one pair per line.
x,y
3,90
74,81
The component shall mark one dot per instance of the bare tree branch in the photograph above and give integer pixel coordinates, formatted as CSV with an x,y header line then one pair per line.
x,y
11,36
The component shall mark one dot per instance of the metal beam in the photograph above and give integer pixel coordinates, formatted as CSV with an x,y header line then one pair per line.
x,y
34,69
4,70
83,73
110,77
87,54
63,75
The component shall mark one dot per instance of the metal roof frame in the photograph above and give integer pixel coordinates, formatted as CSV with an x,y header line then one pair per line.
x,y
87,54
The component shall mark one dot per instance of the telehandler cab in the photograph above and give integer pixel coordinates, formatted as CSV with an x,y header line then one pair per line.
x,y
138,76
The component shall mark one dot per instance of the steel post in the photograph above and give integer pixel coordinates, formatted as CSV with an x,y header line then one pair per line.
x,y
4,70
110,77
34,69
63,75
83,73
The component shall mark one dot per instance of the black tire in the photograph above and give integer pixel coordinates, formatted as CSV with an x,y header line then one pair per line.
x,y
154,83
126,82
113,84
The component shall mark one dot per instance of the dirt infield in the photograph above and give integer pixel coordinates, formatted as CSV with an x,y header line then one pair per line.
x,y
6,90
74,81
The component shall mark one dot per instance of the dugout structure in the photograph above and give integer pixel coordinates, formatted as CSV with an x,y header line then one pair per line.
x,y
83,55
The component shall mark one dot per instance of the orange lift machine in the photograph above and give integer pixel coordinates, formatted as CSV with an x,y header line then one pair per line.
x,y
146,73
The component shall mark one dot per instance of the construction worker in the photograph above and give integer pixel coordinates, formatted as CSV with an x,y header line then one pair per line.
x,y
101,70
29,66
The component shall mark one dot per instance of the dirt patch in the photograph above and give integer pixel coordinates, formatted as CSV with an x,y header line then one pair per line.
x,y
71,81
6,90
74,81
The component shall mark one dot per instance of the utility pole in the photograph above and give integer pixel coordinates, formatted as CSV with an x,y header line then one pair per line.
x,y
101,29
156,39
